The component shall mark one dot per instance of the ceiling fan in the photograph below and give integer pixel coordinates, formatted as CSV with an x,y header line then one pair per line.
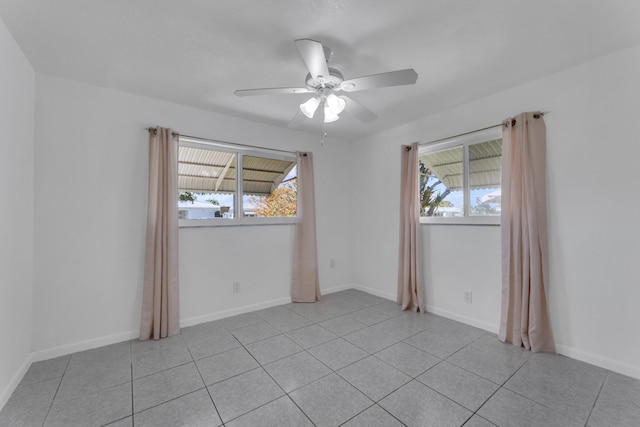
x,y
325,83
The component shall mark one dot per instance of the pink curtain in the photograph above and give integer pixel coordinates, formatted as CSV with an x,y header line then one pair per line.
x,y
525,271
160,315
410,292
305,286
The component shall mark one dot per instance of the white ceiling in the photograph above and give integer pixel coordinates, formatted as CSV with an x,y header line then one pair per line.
x,y
197,52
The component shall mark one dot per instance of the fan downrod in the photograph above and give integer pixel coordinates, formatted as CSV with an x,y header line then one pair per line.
x,y
332,81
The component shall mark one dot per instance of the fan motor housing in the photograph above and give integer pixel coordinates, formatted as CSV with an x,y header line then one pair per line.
x,y
332,81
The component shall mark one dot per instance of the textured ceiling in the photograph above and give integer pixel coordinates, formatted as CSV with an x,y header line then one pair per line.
x,y
197,52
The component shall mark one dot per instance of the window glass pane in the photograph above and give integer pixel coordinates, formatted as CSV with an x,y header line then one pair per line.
x,y
206,183
484,177
269,187
441,183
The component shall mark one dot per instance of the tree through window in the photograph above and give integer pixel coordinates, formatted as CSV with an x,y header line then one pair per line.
x,y
459,179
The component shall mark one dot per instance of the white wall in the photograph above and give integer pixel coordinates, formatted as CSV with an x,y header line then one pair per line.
x,y
90,212
592,144
90,160
17,82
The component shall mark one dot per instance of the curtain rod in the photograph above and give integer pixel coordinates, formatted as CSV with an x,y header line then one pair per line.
x,y
542,113
226,142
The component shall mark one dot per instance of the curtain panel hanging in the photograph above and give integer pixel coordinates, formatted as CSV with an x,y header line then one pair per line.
x,y
305,285
525,271
410,291
160,306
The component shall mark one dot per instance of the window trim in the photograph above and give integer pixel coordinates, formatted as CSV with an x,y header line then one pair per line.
x,y
463,141
239,151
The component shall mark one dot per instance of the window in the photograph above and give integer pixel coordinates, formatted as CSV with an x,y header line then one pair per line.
x,y
224,184
460,179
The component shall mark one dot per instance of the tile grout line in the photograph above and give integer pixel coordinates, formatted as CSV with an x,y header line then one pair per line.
x,y
332,372
492,394
368,354
478,375
369,407
287,393
177,397
597,397
133,421
364,410
282,333
500,386
572,417
418,348
474,412
57,389
329,367
375,403
316,321
276,382
503,386
412,378
158,372
162,403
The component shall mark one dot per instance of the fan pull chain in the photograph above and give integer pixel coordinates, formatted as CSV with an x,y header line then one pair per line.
x,y
323,134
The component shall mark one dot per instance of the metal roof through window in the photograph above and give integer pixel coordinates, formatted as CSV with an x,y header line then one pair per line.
x,y
210,171
485,167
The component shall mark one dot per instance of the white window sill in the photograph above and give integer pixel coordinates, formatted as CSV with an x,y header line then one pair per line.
x,y
473,220
235,222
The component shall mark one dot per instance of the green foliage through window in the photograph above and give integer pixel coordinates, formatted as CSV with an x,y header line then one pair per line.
x,y
430,199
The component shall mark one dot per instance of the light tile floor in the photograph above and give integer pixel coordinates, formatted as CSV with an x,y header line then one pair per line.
x,y
352,359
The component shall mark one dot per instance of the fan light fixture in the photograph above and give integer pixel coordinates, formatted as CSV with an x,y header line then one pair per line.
x,y
333,105
329,116
309,108
323,83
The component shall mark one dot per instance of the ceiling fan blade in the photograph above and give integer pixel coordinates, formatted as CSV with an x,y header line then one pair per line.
x,y
392,78
358,110
313,55
297,120
271,91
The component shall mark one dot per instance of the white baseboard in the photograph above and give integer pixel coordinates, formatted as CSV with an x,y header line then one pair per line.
x,y
489,327
35,356
63,350
15,380
601,361
433,309
233,312
375,292
593,359
339,288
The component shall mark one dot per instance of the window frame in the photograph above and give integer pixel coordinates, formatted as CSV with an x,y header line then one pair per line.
x,y
239,151
463,141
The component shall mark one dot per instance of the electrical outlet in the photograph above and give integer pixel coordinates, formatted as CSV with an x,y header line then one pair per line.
x,y
236,287
332,263
468,297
